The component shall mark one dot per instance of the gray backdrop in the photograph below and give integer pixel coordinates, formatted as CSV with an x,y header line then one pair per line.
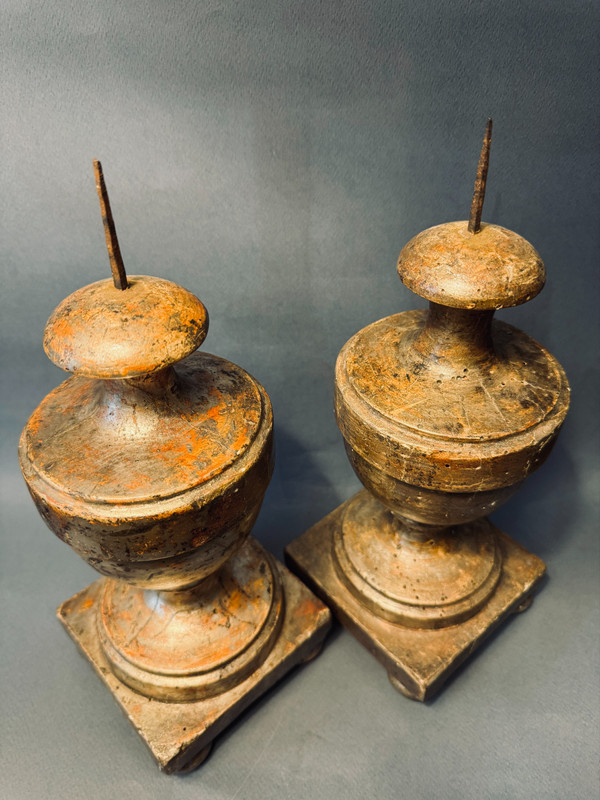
x,y
274,157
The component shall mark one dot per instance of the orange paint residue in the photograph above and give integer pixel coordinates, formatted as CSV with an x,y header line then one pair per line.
x,y
62,328
308,608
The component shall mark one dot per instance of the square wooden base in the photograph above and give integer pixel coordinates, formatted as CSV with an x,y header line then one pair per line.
x,y
180,734
418,662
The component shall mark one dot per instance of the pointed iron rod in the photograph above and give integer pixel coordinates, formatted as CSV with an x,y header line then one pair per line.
x,y
112,243
480,180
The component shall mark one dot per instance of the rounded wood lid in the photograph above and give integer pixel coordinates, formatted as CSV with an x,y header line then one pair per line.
x,y
493,268
101,331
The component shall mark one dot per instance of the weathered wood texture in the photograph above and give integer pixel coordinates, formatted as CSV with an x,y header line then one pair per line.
x,y
154,480
444,413
180,734
151,462
102,332
418,660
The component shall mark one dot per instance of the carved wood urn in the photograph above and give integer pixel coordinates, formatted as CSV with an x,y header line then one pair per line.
x,y
151,462
444,413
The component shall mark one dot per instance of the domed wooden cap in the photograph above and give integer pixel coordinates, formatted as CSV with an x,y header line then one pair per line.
x,y
124,327
104,332
470,264
493,268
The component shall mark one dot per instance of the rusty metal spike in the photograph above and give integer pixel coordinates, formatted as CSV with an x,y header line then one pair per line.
x,y
112,243
480,181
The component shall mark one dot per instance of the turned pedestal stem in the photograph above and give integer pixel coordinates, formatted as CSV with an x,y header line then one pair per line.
x,y
455,338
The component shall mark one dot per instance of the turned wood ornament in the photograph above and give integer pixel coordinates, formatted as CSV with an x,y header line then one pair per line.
x,y
151,462
444,413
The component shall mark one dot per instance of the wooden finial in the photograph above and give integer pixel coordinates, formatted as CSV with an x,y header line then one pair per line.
x,y
479,190
110,232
